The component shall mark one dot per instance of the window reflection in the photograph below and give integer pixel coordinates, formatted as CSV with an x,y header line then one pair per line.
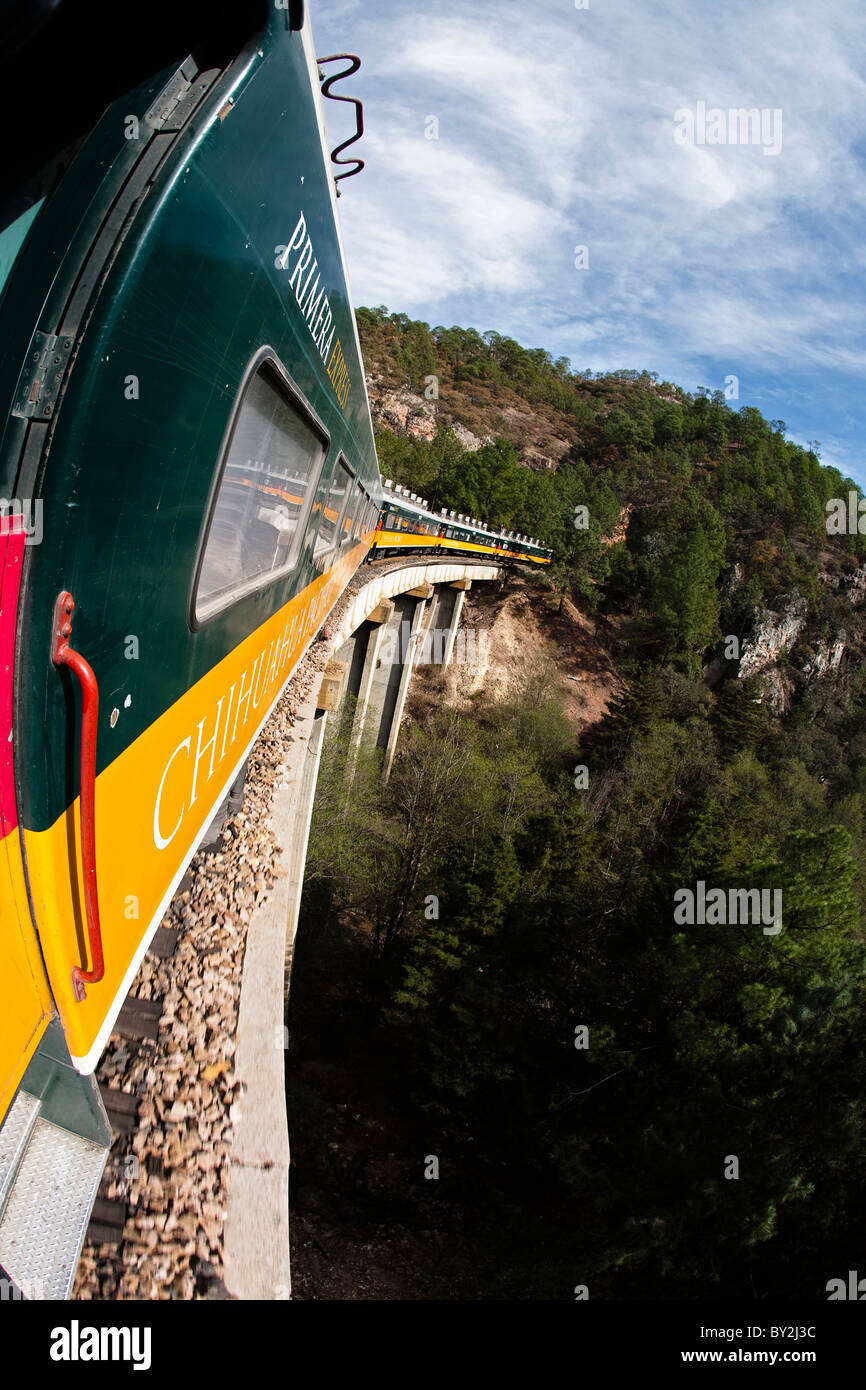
x,y
273,460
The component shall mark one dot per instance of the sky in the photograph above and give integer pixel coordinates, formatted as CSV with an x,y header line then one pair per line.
x,y
500,138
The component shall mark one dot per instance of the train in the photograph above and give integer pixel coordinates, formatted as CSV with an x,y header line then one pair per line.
x,y
188,481
408,523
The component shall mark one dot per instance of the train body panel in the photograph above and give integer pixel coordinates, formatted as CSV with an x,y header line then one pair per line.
x,y
207,479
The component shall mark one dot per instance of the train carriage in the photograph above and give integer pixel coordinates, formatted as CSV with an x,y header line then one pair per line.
x,y
410,524
184,413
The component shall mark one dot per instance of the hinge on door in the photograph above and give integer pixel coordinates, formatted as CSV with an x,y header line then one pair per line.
x,y
41,375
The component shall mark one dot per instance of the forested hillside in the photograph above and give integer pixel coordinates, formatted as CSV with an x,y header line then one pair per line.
x,y
622,1100
725,516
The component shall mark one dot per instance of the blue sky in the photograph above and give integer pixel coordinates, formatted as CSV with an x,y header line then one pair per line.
x,y
557,128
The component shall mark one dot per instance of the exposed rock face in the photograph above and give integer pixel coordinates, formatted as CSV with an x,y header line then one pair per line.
x,y
405,412
620,531
852,585
734,578
548,450
779,689
466,439
535,458
855,586
828,656
774,634
535,433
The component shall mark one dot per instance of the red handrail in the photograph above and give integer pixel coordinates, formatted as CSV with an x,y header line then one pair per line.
x,y
63,655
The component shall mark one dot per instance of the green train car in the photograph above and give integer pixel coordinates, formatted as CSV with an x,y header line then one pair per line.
x,y
189,480
409,524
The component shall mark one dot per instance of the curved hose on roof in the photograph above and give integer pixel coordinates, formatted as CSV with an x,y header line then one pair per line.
x,y
327,84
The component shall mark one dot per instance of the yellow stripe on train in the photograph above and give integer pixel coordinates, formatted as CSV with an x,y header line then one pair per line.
x,y
152,804
392,539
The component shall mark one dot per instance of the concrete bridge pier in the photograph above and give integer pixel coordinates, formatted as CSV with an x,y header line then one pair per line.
x,y
409,652
459,588
377,656
419,625
378,622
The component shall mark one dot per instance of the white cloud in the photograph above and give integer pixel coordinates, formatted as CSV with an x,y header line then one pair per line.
x,y
556,127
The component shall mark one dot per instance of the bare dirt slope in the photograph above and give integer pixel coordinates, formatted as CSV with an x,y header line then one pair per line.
x,y
513,630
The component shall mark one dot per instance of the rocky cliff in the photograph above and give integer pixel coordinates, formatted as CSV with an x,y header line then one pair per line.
x,y
791,598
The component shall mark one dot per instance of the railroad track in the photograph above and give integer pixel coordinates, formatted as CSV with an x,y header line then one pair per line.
x,y
138,1024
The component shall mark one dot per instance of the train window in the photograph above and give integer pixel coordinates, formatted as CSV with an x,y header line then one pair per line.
x,y
346,519
271,465
360,508
329,532
349,511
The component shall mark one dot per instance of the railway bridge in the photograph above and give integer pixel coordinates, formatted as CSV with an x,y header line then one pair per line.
x,y
399,615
